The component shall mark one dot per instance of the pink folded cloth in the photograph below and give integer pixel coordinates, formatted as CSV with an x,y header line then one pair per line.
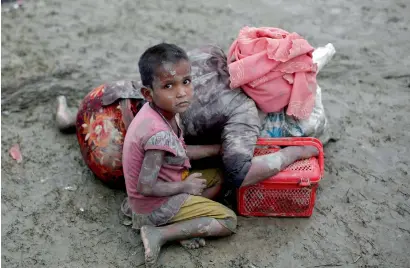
x,y
275,69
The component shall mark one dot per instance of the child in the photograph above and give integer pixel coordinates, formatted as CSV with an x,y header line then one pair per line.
x,y
168,204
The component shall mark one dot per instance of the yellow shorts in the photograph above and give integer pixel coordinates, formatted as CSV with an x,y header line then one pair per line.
x,y
213,176
198,206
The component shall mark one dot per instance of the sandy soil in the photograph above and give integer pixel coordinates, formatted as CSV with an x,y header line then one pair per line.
x,y
55,214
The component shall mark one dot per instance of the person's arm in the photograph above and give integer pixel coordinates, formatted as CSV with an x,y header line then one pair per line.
x,y
149,185
127,115
195,152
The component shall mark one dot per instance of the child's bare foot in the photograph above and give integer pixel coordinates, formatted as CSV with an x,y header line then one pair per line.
x,y
193,243
152,239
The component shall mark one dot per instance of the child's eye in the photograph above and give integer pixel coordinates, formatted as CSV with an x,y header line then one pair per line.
x,y
168,86
187,81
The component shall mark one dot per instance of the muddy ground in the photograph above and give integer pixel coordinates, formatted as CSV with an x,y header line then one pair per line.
x,y
55,214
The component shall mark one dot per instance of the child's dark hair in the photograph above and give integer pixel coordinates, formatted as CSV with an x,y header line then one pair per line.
x,y
154,56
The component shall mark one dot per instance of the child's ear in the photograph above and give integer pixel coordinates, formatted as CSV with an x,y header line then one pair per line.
x,y
147,93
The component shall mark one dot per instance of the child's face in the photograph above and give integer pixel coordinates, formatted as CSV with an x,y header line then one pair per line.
x,y
172,88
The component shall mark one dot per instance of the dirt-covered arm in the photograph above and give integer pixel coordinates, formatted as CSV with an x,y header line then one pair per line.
x,y
127,115
196,152
148,183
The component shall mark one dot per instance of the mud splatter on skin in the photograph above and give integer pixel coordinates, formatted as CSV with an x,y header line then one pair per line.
x,y
172,88
149,185
266,166
155,237
152,240
169,67
193,243
150,169
54,48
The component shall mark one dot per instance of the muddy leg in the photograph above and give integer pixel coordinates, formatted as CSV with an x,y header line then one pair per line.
x,y
198,242
266,166
154,237
65,119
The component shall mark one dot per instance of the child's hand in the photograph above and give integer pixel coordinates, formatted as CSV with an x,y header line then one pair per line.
x,y
194,184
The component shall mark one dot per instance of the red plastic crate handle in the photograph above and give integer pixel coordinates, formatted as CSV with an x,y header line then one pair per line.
x,y
296,141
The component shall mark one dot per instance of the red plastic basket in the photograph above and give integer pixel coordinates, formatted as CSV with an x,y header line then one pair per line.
x,y
290,193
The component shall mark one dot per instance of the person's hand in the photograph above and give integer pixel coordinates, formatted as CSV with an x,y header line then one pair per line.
x,y
194,184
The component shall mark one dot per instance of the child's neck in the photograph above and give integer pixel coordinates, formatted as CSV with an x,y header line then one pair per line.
x,y
170,117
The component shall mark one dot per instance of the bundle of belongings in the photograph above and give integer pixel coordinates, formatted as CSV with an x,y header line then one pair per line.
x,y
269,67
276,69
